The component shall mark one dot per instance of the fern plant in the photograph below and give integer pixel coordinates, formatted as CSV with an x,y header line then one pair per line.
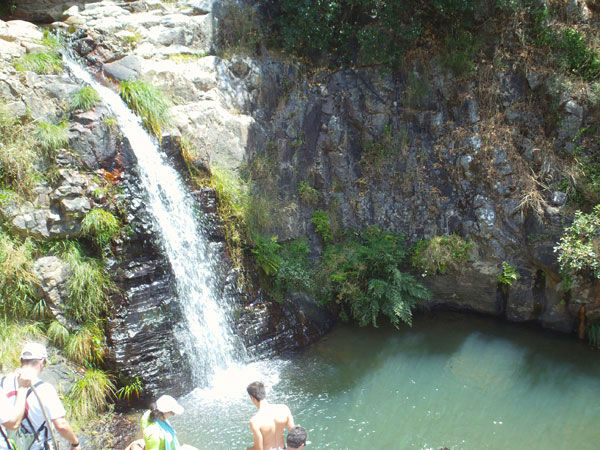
x,y
508,275
362,277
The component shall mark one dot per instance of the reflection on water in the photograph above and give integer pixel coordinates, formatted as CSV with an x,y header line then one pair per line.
x,y
457,381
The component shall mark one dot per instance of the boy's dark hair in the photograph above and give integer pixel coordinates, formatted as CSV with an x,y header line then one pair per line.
x,y
257,390
296,437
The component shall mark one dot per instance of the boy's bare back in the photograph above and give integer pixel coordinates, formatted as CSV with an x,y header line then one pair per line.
x,y
268,425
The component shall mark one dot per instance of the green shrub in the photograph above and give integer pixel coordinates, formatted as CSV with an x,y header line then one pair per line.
x,y
43,63
267,253
308,194
17,280
88,287
440,254
361,276
286,264
90,395
84,99
320,220
508,275
459,53
578,248
149,103
576,57
52,136
86,345
101,226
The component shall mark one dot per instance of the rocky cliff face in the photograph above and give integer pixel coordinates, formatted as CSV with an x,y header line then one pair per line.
x,y
418,151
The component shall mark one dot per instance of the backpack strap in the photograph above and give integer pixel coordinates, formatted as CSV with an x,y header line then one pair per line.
x,y
9,444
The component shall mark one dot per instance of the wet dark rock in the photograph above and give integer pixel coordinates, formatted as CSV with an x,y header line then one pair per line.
x,y
143,322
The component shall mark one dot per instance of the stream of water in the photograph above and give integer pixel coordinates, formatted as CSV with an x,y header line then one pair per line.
x,y
457,381
206,333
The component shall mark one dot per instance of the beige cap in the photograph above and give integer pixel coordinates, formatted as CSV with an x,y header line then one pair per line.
x,y
166,404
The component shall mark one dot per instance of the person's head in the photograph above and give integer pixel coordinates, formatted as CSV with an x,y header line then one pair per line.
x,y
257,392
34,356
165,407
296,438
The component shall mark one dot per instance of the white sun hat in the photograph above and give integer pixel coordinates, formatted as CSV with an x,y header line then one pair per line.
x,y
166,404
33,350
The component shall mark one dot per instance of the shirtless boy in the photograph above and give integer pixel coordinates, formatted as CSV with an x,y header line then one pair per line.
x,y
269,422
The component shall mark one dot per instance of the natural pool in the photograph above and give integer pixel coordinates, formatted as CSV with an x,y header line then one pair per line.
x,y
451,380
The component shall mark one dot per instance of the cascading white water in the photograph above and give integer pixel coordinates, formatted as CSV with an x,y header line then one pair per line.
x,y
206,334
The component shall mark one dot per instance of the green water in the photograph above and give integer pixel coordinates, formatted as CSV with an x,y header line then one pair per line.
x,y
457,381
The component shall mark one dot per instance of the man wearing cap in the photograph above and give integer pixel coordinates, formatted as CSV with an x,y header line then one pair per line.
x,y
33,360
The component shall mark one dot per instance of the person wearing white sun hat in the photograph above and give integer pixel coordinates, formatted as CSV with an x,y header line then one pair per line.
x,y
158,432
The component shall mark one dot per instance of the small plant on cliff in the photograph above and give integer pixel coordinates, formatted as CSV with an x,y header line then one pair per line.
x,y
130,390
17,280
84,99
308,194
149,103
17,153
361,276
58,333
90,395
43,63
286,265
320,220
52,136
88,287
508,275
86,345
440,254
100,226
579,247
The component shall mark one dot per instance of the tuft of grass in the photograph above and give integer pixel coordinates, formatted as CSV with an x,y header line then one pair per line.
x,y
85,346
17,280
52,136
58,334
90,395
17,153
13,336
149,103
42,63
84,99
440,254
100,226
89,286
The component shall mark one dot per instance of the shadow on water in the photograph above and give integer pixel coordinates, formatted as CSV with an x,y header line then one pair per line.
x,y
348,355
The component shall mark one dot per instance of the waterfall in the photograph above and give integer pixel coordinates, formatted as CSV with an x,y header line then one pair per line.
x,y
206,334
